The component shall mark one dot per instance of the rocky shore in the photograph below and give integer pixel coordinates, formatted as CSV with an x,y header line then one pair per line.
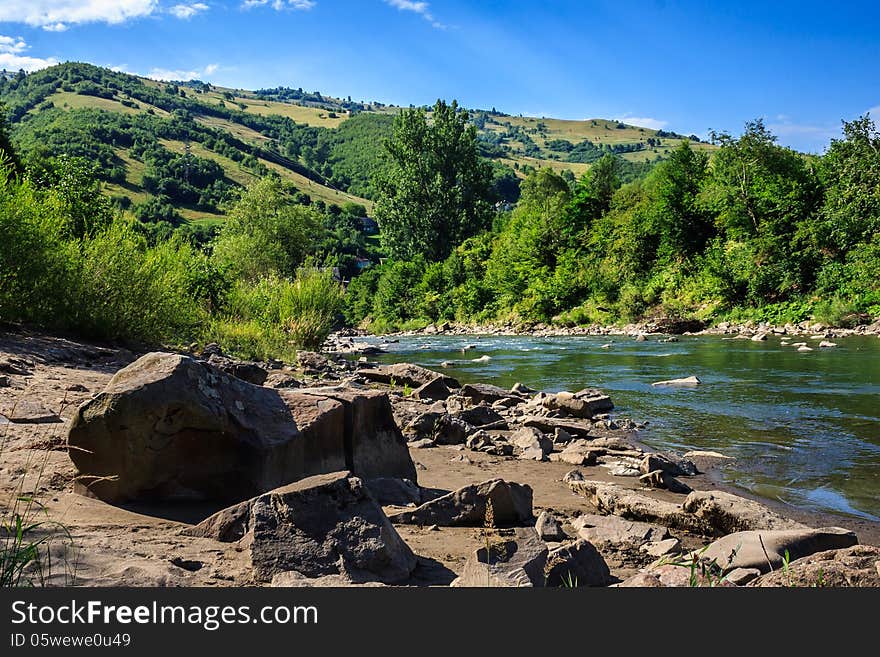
x,y
195,469
660,327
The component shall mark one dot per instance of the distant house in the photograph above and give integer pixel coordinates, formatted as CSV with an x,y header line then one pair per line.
x,y
369,226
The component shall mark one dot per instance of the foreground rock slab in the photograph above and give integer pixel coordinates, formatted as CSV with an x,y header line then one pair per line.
x,y
517,560
766,550
511,505
408,374
324,525
577,564
856,566
170,427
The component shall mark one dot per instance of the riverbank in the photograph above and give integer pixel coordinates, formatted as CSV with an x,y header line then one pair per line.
x,y
584,468
667,327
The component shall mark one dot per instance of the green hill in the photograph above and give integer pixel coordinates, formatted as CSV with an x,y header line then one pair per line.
x,y
176,150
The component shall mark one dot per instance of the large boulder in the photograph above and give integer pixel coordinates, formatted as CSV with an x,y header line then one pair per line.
x,y
511,505
169,427
723,513
517,560
766,550
617,534
856,566
433,390
576,564
324,525
407,374
483,393
241,369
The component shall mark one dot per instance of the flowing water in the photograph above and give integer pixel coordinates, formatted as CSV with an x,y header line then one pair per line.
x,y
804,427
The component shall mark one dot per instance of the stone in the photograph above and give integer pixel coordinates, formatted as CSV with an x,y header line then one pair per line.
x,y
671,465
856,566
765,550
662,548
405,374
510,561
661,479
641,580
576,564
759,337
620,469
479,416
742,576
521,389
611,532
393,490
323,525
432,390
466,507
572,476
280,380
4,381
549,425
313,363
616,500
529,439
423,425
804,348
25,411
578,453
245,370
825,344
549,528
705,454
422,443
483,393
722,513
680,574
451,430
584,404
561,436
170,427
687,381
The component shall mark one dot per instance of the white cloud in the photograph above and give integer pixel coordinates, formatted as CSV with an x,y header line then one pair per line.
x,y
185,12
423,9
166,74
12,57
874,112
278,5
645,122
58,15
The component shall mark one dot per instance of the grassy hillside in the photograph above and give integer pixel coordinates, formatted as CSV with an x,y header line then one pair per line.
x,y
181,149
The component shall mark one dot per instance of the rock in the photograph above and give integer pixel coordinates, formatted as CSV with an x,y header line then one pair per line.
x,y
511,505
583,404
15,366
313,363
676,467
482,359
641,580
241,369
723,513
549,425
76,387
170,427
451,430
572,476
827,345
661,479
423,425
804,348
393,490
483,393
680,574
4,381
765,550
620,469
615,500
521,389
25,411
759,337
549,529
611,532
661,548
742,576
279,380
561,436
432,390
856,566
576,564
406,374
479,416
704,454
422,443
529,438
687,381
293,579
515,561
578,452
324,525
641,338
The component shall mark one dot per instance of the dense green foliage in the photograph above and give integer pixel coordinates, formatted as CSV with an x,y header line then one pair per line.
x,y
757,232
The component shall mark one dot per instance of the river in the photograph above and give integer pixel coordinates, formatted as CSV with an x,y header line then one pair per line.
x,y
803,427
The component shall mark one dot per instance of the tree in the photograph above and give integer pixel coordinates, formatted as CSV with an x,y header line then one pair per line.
x,y
266,231
683,222
8,156
434,189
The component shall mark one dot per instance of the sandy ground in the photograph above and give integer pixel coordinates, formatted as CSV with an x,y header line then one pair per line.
x,y
101,545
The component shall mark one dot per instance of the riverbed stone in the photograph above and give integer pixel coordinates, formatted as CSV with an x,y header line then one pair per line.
x,y
856,566
549,528
576,564
467,506
514,560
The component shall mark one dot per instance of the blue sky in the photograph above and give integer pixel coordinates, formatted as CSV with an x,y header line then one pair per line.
x,y
684,66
